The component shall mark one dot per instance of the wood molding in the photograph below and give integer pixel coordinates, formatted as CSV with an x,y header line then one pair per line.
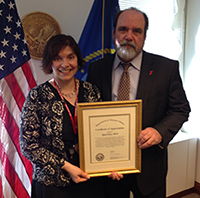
x,y
195,189
183,193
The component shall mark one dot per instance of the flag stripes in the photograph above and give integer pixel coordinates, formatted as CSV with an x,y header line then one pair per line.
x,y
22,81
29,74
12,130
11,175
16,167
15,89
1,190
17,163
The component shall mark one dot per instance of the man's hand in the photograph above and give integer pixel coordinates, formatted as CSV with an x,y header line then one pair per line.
x,y
148,137
115,176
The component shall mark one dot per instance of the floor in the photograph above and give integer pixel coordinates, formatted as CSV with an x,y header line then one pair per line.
x,y
193,195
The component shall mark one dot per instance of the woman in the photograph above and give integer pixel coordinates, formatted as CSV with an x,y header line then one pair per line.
x,y
48,130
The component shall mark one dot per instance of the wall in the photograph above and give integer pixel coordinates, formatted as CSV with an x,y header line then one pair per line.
x,y
184,156
70,14
181,165
192,70
198,163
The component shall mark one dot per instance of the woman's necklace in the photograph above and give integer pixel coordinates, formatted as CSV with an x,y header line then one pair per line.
x,y
68,95
73,120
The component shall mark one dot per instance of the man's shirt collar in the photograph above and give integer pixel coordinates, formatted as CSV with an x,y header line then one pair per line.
x,y
136,62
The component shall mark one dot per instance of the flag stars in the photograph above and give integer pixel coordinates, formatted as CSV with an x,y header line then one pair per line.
x,y
15,47
18,23
13,52
24,40
9,18
5,43
24,52
7,30
13,59
3,54
17,36
1,67
11,5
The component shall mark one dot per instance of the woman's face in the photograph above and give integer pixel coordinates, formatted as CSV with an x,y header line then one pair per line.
x,y
65,65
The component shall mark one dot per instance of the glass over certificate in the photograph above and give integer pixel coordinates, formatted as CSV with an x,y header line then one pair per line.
x,y
107,137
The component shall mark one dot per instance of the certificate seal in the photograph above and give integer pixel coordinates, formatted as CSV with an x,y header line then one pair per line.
x,y
100,157
39,27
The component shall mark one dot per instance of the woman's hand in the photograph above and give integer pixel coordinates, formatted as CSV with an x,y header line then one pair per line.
x,y
75,173
115,176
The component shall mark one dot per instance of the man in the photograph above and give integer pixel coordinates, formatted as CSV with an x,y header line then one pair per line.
x,y
155,80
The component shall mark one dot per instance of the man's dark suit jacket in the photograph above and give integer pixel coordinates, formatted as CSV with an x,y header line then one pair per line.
x,y
165,108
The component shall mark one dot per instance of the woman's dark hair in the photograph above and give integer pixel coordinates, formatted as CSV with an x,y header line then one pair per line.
x,y
134,9
53,47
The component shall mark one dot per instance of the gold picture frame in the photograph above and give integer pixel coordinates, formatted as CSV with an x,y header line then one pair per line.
x,y
108,134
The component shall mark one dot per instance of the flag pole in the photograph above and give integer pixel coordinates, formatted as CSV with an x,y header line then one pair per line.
x,y
103,11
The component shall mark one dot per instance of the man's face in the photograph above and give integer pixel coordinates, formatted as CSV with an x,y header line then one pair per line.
x,y
129,37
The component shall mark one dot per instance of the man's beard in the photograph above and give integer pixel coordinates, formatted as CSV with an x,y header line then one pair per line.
x,y
126,53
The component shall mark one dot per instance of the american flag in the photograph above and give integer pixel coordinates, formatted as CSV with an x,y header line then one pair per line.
x,y
16,79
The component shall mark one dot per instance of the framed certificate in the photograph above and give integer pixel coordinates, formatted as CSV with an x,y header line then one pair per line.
x,y
108,134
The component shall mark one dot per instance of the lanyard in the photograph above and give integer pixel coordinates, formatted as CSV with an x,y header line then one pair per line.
x,y
73,120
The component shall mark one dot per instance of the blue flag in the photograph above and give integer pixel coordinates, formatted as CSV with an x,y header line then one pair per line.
x,y
96,39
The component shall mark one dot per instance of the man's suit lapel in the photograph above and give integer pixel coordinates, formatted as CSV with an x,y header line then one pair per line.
x,y
146,77
107,76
